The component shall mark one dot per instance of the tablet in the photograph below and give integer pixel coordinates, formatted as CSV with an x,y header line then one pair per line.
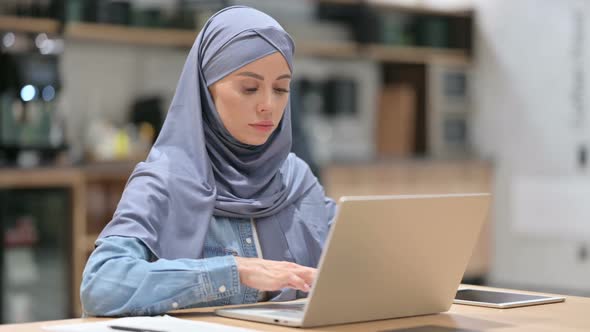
x,y
501,299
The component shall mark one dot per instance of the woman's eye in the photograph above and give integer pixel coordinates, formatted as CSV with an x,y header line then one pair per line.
x,y
250,90
281,91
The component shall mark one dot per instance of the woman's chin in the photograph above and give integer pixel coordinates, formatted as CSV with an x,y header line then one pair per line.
x,y
259,142
255,140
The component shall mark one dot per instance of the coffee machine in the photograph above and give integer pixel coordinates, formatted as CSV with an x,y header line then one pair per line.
x,y
31,129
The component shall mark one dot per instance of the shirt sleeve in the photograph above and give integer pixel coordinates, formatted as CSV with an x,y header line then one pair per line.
x,y
120,280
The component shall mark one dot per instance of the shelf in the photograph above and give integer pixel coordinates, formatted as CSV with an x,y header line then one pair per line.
x,y
382,53
130,35
185,38
109,171
29,24
340,49
412,54
400,6
337,49
341,2
419,9
39,177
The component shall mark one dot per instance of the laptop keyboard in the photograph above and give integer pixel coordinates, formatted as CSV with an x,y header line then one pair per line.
x,y
287,307
291,310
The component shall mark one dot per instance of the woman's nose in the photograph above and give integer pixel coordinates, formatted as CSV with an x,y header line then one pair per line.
x,y
265,103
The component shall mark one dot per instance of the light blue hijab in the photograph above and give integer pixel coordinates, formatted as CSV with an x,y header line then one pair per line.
x,y
196,169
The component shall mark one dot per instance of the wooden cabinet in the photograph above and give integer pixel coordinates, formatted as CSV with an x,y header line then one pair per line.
x,y
417,177
67,178
104,184
94,190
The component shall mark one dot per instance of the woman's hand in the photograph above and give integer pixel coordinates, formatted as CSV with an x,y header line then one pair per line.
x,y
267,275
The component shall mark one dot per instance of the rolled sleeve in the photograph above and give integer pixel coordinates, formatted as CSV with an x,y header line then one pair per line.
x,y
222,277
120,281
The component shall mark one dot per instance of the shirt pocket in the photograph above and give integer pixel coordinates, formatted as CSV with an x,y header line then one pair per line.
x,y
214,251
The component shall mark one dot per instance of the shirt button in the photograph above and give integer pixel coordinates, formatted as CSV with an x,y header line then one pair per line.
x,y
249,240
174,305
222,289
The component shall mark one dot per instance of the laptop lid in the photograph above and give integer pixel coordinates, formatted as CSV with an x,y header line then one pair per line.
x,y
395,256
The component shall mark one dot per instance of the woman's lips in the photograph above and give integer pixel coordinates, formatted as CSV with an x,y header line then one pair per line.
x,y
263,126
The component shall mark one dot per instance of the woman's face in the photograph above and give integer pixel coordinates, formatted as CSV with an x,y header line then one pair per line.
x,y
251,100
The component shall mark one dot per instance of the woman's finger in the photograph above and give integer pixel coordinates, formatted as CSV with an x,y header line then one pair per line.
x,y
298,283
307,274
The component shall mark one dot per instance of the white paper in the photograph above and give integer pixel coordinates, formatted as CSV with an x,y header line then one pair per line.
x,y
163,323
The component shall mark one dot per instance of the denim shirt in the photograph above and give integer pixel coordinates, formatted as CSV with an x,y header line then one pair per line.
x,y
123,277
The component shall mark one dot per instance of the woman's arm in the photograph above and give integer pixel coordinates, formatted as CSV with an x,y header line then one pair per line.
x,y
120,280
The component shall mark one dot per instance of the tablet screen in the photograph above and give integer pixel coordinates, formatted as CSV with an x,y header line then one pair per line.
x,y
494,297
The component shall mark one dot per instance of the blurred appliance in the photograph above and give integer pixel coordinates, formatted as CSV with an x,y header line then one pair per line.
x,y
336,99
340,94
331,97
30,124
148,111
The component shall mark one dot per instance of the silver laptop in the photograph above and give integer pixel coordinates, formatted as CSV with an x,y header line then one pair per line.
x,y
385,257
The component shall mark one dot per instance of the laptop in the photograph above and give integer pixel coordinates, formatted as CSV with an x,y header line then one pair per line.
x,y
385,257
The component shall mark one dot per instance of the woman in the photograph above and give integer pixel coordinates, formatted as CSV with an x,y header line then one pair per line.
x,y
220,212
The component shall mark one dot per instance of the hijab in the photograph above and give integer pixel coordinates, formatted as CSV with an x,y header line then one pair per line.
x,y
196,170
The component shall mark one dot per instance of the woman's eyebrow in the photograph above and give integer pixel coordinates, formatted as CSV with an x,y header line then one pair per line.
x,y
260,77
251,74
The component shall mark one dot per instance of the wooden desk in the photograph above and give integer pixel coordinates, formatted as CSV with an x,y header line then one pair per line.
x,y
570,316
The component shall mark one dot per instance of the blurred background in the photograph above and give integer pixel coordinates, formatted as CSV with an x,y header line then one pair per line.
x,y
388,97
